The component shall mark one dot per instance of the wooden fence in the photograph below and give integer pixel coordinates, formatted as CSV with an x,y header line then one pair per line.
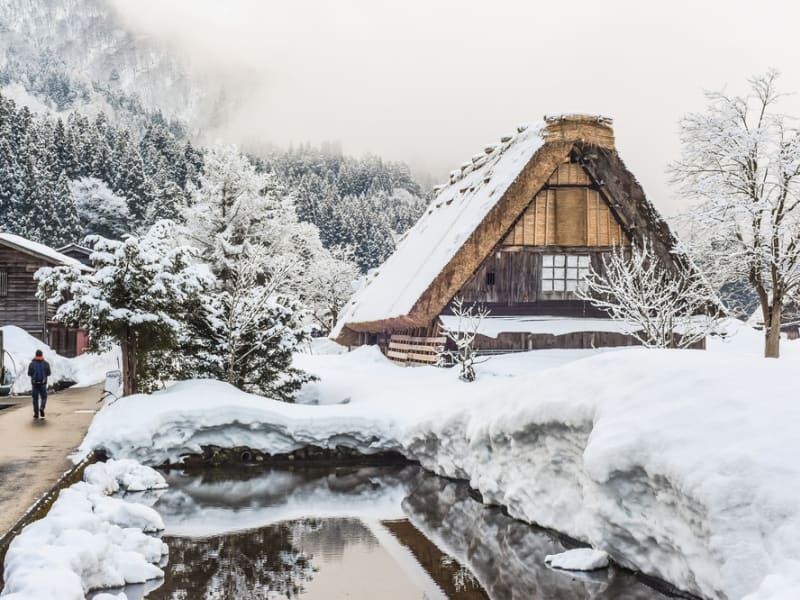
x,y
410,350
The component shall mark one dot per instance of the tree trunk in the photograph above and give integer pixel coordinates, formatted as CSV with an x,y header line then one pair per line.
x,y
129,366
772,330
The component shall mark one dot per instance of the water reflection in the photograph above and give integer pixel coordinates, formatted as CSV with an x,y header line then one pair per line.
x,y
505,555
389,533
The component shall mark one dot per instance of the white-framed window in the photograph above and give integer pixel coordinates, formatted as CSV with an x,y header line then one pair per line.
x,y
564,272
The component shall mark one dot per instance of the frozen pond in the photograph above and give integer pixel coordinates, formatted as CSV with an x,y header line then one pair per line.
x,y
356,533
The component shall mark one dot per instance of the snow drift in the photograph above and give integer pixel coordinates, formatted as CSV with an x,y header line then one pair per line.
x,y
84,370
88,541
681,464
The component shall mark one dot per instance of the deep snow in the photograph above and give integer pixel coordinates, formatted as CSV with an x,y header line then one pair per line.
x,y
681,464
88,541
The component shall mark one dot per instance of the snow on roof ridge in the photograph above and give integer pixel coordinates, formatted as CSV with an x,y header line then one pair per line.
x,y
39,249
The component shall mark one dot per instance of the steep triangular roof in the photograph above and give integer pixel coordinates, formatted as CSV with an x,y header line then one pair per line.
x,y
471,213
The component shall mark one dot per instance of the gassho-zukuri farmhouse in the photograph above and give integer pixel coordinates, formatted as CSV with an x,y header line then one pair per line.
x,y
516,229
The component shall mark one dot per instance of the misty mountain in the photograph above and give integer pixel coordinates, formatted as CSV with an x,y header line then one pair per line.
x,y
62,55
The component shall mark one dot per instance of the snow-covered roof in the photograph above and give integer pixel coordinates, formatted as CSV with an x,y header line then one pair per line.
x,y
40,250
457,209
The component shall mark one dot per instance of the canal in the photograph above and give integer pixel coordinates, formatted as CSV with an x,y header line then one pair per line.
x,y
394,533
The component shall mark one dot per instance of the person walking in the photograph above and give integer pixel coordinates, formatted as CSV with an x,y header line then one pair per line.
x,y
39,371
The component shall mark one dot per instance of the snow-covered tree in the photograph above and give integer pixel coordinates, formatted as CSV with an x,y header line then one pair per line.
x,y
741,159
329,282
463,337
665,308
137,296
101,211
255,247
244,333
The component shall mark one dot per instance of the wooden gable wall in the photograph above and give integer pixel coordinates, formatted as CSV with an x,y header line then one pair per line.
x,y
567,212
568,217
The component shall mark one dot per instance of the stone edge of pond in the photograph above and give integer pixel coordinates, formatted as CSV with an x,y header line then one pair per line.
x,y
243,456
42,505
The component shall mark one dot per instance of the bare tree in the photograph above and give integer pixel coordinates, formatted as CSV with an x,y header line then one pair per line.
x,y
666,308
463,337
741,159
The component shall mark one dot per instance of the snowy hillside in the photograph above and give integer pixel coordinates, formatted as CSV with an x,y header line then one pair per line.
x,y
66,54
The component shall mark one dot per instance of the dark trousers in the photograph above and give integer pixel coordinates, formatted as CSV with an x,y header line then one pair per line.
x,y
39,390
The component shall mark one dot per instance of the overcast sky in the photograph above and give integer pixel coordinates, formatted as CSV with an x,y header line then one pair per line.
x,y
431,81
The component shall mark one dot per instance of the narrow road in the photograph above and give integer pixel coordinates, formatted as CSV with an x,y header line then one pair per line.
x,y
33,453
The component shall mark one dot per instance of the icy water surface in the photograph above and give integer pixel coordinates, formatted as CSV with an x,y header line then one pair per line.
x,y
360,534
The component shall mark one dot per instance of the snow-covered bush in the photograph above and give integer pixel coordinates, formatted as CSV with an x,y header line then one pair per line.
x,y
137,296
463,337
667,308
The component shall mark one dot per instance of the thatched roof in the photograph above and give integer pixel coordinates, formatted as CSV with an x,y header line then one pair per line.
x,y
472,212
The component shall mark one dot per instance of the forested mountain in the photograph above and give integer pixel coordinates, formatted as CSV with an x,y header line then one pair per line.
x,y
72,54
95,126
361,204
63,179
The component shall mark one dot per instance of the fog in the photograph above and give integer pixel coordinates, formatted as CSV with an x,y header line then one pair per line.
x,y
430,82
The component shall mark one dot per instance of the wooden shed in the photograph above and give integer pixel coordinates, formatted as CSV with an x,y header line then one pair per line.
x,y
515,229
20,258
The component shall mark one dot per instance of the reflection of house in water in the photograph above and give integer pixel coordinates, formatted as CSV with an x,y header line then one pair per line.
x,y
454,579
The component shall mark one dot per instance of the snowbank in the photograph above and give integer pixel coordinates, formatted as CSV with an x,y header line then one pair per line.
x,y
681,464
87,541
85,370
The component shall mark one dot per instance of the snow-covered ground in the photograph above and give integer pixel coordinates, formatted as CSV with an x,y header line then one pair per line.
x,y
85,370
88,541
681,464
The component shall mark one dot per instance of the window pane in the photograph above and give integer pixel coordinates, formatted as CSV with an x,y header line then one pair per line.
x,y
572,261
547,286
584,261
583,272
572,286
572,274
547,273
559,260
558,285
558,273
547,260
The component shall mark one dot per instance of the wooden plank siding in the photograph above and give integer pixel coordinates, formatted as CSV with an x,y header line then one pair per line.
x,y
19,305
516,288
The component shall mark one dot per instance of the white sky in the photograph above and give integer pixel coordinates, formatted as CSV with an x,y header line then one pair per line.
x,y
431,81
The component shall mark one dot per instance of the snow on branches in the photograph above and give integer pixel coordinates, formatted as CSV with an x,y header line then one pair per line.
x,y
138,295
463,337
665,308
741,160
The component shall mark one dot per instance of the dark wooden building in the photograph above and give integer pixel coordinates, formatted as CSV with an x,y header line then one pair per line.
x,y
19,260
78,252
516,229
